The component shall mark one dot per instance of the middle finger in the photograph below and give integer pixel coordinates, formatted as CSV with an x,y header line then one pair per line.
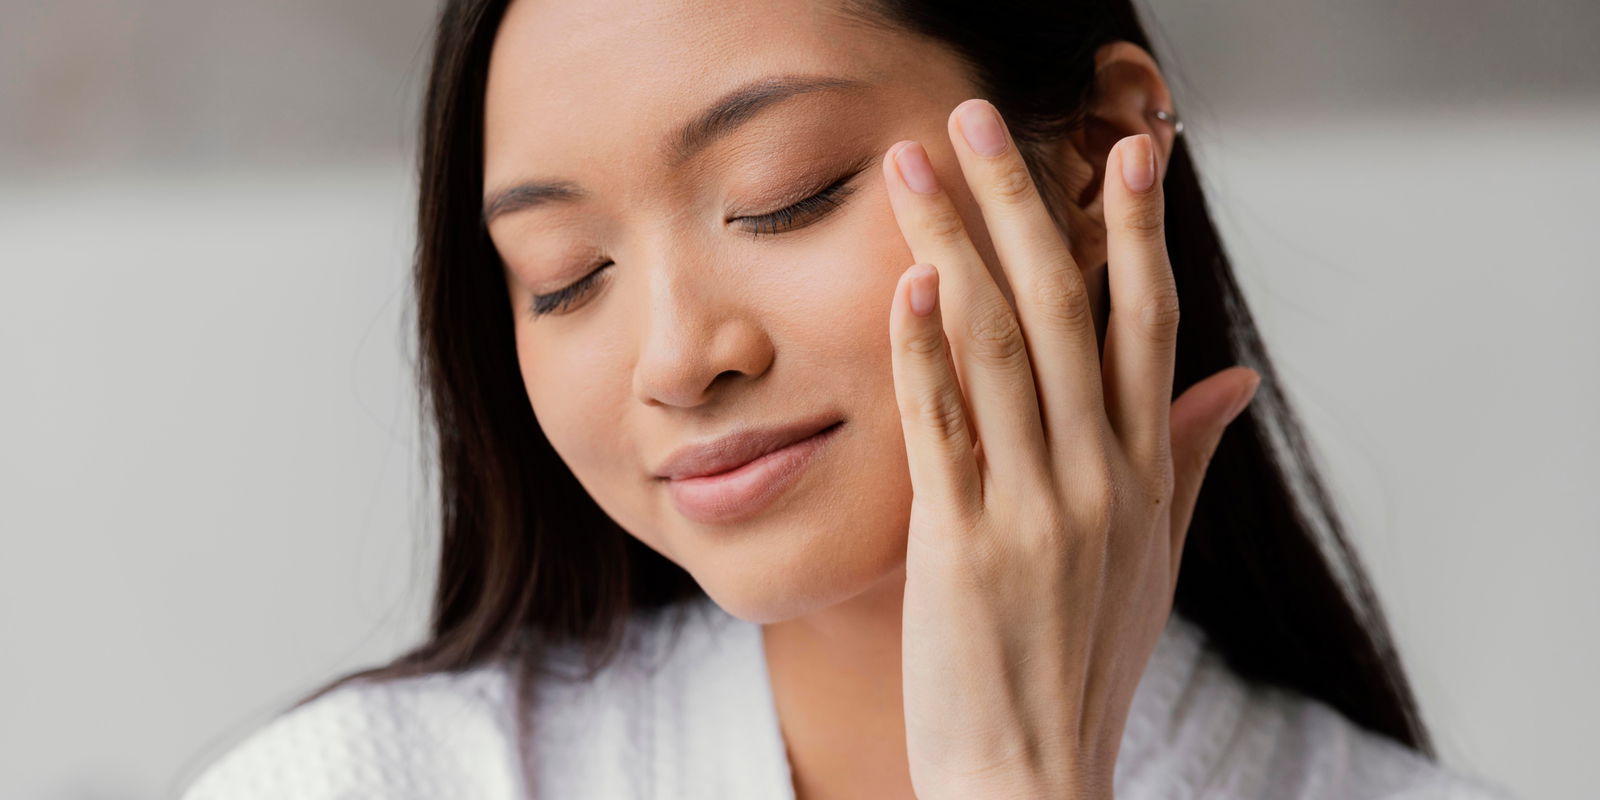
x,y
1050,294
986,344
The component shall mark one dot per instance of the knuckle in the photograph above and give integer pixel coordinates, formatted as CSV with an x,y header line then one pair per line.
x,y
1156,494
925,343
943,222
1159,315
1045,535
1063,298
937,411
997,336
1145,220
1099,508
1093,497
1012,184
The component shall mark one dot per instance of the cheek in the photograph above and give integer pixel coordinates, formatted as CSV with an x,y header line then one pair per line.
x,y
581,397
850,276
574,392
823,301
840,336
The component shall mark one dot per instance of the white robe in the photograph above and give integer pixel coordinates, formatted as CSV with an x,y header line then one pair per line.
x,y
703,725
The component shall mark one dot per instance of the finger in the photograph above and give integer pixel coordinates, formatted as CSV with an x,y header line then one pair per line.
x,y
1142,333
1199,418
985,338
1052,302
933,414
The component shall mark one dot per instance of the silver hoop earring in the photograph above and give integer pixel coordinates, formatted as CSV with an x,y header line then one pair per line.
x,y
1168,116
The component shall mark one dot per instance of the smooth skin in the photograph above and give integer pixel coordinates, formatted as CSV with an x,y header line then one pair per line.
x,y
1051,492
697,327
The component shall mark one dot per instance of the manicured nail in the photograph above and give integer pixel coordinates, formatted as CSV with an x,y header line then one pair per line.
x,y
912,161
1138,163
924,289
980,123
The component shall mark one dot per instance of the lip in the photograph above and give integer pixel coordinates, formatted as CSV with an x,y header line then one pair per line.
x,y
738,448
736,476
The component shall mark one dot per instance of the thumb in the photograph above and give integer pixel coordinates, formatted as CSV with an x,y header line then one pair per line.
x,y
1198,418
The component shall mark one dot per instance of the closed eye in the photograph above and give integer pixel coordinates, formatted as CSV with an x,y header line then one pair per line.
x,y
804,212
563,298
791,217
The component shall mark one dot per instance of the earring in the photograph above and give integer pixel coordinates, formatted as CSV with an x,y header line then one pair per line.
x,y
1168,116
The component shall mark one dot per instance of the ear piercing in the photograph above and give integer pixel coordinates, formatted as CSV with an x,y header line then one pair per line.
x,y
1168,116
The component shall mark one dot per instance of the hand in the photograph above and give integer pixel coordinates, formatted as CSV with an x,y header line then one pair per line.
x,y
1051,498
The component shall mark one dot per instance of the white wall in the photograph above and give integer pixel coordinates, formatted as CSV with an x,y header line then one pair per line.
x,y
210,492
1426,286
209,471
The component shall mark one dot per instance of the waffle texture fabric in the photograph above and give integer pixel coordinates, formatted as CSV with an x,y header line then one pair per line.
x,y
690,714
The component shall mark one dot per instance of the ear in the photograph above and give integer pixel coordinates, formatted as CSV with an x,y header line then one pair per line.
x,y
1128,90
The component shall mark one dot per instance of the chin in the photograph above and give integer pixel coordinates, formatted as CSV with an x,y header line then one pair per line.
x,y
837,535
767,582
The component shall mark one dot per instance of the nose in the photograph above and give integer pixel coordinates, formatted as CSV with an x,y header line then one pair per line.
x,y
701,332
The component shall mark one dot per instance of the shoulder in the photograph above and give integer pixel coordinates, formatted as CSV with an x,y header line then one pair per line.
x,y
463,734
1291,745
1232,738
436,735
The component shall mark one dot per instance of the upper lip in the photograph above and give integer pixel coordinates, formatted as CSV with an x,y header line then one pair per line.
x,y
738,448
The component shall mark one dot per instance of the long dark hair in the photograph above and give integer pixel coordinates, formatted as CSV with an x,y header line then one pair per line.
x,y
528,561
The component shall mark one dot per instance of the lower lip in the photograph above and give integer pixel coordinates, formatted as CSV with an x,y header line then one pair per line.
x,y
740,492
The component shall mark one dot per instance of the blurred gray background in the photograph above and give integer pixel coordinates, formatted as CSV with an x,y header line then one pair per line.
x,y
211,491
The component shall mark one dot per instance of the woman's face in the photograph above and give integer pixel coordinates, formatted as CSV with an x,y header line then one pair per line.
x,y
703,321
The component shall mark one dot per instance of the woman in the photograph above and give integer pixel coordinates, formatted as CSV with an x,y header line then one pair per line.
x,y
803,375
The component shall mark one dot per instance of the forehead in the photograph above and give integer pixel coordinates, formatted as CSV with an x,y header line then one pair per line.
x,y
583,82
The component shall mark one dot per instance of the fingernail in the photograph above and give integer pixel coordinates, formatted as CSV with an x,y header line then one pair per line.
x,y
1138,163
912,161
980,124
1244,398
924,289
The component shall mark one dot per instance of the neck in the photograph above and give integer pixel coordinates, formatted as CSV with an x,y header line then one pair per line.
x,y
836,685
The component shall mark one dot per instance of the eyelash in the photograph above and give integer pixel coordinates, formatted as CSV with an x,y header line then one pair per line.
x,y
806,211
792,217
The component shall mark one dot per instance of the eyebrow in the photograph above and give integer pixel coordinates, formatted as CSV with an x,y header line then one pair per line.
x,y
717,120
